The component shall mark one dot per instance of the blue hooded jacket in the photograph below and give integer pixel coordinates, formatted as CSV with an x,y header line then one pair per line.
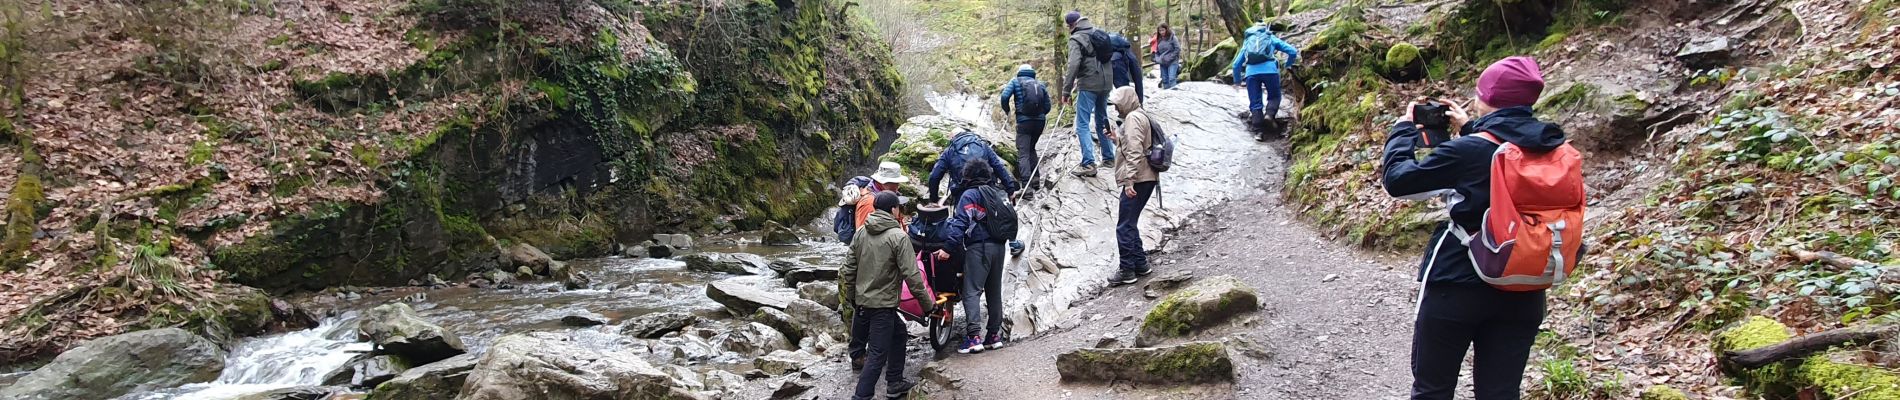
x,y
1014,87
1240,55
1461,169
1127,66
950,164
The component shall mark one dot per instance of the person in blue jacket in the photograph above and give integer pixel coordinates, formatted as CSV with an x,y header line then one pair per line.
x,y
982,262
1127,66
1262,77
964,147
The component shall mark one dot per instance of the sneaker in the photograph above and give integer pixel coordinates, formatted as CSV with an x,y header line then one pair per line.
x,y
900,390
1016,248
1086,171
971,345
995,342
1123,277
1144,272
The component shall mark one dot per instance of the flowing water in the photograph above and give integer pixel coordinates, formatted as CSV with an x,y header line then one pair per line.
x,y
622,288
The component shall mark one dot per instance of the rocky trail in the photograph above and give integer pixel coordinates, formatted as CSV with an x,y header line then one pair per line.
x,y
1331,323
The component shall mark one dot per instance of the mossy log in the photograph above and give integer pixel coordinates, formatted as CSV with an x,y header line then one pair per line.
x,y
1806,345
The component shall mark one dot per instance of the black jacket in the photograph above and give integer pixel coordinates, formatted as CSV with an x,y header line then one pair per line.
x,y
1460,169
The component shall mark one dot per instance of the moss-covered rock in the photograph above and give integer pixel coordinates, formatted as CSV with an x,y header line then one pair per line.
x,y
1211,62
1663,392
1402,57
1188,363
1205,304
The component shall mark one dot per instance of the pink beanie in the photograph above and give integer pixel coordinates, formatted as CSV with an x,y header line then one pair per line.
x,y
1511,82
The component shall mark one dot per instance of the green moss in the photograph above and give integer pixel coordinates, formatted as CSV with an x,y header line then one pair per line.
x,y
1400,56
1172,315
1191,358
1577,94
22,217
1756,332
1663,392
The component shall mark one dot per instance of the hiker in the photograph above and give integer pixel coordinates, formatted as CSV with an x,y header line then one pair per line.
x,y
966,146
980,224
1089,80
1031,100
1167,53
1127,66
1460,307
880,260
1137,181
1257,68
855,205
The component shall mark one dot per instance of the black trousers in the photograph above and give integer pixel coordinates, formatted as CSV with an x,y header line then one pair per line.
x,y
1027,134
1128,227
885,345
1497,326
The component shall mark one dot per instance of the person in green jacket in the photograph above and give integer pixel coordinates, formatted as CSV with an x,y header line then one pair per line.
x,y
882,258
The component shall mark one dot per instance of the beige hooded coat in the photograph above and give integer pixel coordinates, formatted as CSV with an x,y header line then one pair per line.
x,y
1132,140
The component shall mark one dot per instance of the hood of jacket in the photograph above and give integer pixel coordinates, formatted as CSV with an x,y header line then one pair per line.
x,y
1125,100
1519,126
1121,43
1259,29
880,221
1026,73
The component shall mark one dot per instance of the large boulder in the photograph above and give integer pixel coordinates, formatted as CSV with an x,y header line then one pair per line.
x,y
785,361
775,234
528,366
111,366
810,274
750,339
293,393
374,370
526,255
742,298
1205,304
437,380
674,240
657,324
802,319
727,263
1705,52
825,293
1211,62
1197,362
395,329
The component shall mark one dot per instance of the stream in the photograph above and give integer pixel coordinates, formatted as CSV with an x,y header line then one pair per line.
x,y
623,288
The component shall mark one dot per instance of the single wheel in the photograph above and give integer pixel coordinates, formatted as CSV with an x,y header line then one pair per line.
x,y
943,335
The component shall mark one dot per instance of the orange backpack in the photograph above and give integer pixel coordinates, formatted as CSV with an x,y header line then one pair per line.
x,y
1532,235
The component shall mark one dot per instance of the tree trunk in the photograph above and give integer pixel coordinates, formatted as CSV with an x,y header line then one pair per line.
x,y
1135,9
1234,16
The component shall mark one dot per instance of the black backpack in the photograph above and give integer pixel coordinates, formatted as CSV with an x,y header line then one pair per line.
x,y
1160,148
1101,46
1033,99
1000,221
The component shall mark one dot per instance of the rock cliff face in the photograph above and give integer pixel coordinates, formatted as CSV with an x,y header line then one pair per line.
x,y
601,123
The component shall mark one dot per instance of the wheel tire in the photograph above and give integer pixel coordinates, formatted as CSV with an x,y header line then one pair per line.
x,y
943,334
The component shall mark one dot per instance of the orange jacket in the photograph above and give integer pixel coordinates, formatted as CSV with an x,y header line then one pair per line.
x,y
865,207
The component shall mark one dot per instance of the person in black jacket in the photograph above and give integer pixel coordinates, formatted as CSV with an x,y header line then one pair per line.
x,y
1457,310
1127,66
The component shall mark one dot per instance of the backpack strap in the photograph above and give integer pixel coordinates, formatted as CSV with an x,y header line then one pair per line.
x,y
1488,137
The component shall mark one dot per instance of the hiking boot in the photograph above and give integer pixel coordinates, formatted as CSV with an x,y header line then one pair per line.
x,y
1016,248
857,363
995,342
1123,277
1086,171
1144,272
899,390
971,345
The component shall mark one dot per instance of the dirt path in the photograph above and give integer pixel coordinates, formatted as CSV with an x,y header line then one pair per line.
x,y
1343,338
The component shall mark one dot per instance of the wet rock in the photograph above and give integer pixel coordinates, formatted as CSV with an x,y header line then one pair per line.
x,y
784,266
374,370
111,366
293,393
933,373
785,361
824,293
775,234
585,319
1198,362
684,378
790,389
395,329
660,251
528,366
802,319
7,379
750,339
727,263
577,280
499,278
675,240
813,274
637,251
435,281
721,380
524,272
1197,307
526,255
1110,341
436,380
1705,52
657,324
741,298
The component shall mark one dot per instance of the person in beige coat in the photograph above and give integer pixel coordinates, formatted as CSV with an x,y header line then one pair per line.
x,y
1137,181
